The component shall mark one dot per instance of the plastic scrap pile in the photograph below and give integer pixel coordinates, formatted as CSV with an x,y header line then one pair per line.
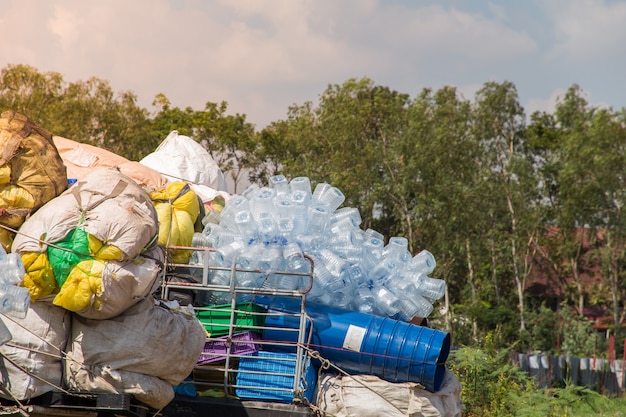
x,y
364,295
272,227
91,247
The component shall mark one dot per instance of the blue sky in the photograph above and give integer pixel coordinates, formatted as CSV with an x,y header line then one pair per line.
x,y
261,56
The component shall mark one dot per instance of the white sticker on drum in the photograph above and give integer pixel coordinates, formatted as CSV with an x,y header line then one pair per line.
x,y
354,338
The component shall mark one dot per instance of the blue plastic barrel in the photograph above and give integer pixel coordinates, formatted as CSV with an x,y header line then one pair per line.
x,y
366,344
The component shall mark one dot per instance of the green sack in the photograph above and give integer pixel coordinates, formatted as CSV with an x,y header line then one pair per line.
x,y
66,253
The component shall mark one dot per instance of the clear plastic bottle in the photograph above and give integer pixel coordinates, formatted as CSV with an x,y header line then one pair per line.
x,y
397,249
301,203
364,301
280,184
284,217
293,255
317,219
415,306
346,217
11,268
250,191
311,243
263,201
266,226
246,225
232,208
382,271
328,195
302,184
431,288
227,254
387,302
14,300
424,262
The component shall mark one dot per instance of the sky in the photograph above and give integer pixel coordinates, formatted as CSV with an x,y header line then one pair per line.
x,y
262,56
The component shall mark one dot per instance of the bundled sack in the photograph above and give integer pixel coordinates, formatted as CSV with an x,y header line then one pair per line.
x,y
371,396
104,217
81,159
180,158
31,364
31,171
101,290
134,352
178,209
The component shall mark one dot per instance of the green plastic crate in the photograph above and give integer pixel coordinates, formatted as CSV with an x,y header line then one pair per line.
x,y
216,319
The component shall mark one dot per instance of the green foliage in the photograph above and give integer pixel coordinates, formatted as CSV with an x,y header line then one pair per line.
x,y
577,335
489,381
491,387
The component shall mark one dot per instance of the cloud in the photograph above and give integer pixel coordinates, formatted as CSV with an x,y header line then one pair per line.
x,y
262,56
587,29
548,105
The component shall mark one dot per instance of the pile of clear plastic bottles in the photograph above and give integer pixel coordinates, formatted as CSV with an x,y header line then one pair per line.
x,y
14,299
269,229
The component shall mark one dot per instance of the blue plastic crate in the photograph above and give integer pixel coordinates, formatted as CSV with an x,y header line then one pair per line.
x,y
268,385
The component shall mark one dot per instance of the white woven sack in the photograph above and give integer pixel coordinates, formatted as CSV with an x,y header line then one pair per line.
x,y
180,158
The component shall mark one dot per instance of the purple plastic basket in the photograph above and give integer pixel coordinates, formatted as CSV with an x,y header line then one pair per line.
x,y
217,348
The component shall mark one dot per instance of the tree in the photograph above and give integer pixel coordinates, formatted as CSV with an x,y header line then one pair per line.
x,y
347,141
230,139
499,126
578,193
24,89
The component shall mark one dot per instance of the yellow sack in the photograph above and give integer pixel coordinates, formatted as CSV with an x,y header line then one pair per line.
x,y
39,278
6,239
5,174
81,286
104,252
177,208
15,198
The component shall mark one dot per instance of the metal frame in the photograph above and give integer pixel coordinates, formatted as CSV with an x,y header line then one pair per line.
x,y
304,332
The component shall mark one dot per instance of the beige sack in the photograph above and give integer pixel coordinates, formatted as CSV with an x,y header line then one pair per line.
x,y
370,396
148,339
37,345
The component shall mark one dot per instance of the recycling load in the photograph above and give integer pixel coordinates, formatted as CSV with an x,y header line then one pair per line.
x,y
94,250
363,292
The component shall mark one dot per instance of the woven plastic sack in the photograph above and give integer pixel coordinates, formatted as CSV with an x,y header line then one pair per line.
x,y
371,396
31,364
31,170
106,206
180,158
143,352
